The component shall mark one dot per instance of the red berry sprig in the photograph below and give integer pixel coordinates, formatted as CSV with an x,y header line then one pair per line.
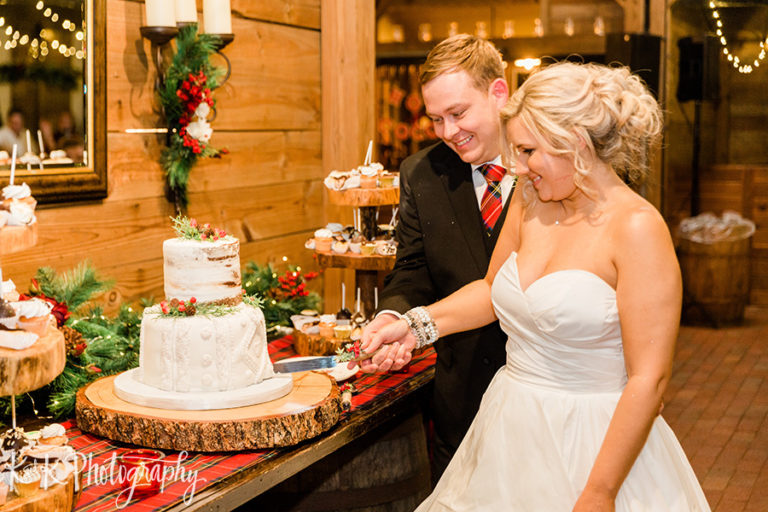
x,y
176,307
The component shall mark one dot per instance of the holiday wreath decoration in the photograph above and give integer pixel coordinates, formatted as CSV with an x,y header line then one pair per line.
x,y
188,103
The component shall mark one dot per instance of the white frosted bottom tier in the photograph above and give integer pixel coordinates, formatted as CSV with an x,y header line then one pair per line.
x,y
129,388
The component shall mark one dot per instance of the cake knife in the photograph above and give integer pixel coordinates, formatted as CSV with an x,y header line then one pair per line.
x,y
316,363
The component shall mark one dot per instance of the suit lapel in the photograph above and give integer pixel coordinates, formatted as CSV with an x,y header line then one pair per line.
x,y
456,177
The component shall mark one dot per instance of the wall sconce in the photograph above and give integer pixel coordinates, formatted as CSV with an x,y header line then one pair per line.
x,y
166,17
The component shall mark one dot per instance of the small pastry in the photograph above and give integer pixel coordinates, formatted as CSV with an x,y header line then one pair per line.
x,y
386,249
326,329
20,193
54,434
34,315
367,248
308,312
310,244
369,177
323,240
342,332
14,440
340,247
9,292
29,158
386,179
27,481
8,316
5,158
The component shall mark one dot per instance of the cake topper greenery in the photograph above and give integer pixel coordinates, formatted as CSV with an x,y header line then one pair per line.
x,y
190,229
187,101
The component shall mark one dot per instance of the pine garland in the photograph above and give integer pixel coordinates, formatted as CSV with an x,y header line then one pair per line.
x,y
190,72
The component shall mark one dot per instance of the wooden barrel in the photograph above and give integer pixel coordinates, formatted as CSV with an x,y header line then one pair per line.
x,y
715,280
384,471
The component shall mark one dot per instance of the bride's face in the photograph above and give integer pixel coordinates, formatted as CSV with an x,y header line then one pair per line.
x,y
551,175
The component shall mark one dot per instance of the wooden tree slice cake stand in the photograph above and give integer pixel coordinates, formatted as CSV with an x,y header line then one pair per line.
x,y
58,497
311,408
17,238
315,345
33,367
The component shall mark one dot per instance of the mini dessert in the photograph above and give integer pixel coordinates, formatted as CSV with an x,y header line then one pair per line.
x,y
342,332
323,240
20,193
58,157
340,246
338,180
50,452
308,312
29,158
53,434
369,177
34,315
27,481
8,316
326,325
386,249
310,244
367,248
5,158
8,291
386,179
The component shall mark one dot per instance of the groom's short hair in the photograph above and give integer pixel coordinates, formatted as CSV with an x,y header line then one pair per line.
x,y
463,52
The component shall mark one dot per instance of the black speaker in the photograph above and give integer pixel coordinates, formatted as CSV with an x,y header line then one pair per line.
x,y
699,69
640,52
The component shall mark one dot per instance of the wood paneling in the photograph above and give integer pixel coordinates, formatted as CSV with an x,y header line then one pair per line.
x,y
267,191
275,82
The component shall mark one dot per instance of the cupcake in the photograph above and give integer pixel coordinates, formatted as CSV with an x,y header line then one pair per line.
x,y
53,434
367,248
20,214
8,291
369,177
323,240
386,179
20,193
34,315
342,332
8,316
340,247
27,481
326,325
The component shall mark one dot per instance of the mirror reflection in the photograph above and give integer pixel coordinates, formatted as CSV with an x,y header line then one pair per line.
x,y
43,105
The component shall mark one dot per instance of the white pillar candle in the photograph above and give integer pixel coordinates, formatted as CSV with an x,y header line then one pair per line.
x,y
13,162
217,17
40,141
29,143
160,13
186,11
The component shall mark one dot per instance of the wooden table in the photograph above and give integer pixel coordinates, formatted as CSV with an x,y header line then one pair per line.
x,y
383,409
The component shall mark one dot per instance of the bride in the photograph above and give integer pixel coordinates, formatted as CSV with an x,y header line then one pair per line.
x,y
585,282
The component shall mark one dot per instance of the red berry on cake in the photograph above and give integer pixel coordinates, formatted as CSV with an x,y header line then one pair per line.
x,y
192,300
182,308
203,236
193,223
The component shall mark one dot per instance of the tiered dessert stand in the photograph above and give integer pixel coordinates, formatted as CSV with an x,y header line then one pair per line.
x,y
30,369
367,267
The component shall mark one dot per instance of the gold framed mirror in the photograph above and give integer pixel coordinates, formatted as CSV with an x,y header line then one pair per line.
x,y
53,94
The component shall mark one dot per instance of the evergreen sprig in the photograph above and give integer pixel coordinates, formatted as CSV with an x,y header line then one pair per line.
x,y
74,288
193,52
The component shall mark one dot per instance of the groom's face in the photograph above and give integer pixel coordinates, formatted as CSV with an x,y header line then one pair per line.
x,y
466,118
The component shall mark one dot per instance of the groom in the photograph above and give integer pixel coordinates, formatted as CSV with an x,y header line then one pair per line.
x,y
452,207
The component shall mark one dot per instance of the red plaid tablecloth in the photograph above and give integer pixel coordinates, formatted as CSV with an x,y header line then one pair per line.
x,y
101,491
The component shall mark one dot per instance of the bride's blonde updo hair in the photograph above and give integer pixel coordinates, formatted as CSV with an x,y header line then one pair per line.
x,y
607,109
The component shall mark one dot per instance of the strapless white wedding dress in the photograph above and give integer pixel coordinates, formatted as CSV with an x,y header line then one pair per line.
x,y
545,414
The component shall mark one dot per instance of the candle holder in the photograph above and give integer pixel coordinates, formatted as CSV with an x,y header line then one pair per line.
x,y
159,37
225,40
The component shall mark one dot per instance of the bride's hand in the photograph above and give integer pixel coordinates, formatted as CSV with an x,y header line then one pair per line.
x,y
594,501
397,340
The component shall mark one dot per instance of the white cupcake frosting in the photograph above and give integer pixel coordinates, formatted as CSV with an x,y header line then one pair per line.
x,y
7,287
323,233
58,153
53,430
16,191
328,318
32,308
21,214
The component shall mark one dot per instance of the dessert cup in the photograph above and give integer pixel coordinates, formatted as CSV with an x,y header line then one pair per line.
x,y
323,244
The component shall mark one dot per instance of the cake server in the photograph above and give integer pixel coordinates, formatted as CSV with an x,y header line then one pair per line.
x,y
316,363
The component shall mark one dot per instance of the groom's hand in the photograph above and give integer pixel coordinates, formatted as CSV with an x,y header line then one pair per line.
x,y
396,338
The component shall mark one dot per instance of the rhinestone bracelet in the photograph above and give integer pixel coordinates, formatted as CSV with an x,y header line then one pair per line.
x,y
422,325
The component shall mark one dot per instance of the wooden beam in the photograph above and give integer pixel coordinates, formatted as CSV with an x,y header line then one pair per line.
x,y
348,61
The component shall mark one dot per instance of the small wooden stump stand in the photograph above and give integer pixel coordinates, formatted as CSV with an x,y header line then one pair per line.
x,y
311,408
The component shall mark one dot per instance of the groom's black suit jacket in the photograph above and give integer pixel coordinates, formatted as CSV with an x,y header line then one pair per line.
x,y
442,245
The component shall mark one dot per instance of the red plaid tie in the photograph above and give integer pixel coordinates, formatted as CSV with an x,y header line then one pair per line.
x,y
490,207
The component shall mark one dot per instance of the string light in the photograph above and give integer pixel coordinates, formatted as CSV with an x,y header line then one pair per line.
x,y
734,59
39,49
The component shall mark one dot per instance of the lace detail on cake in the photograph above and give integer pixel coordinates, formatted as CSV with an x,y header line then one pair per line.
x,y
256,353
182,356
167,378
223,357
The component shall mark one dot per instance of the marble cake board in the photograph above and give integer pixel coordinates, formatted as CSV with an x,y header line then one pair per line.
x,y
312,406
128,387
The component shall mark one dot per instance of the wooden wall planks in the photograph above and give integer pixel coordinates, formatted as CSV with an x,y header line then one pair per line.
x,y
267,190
